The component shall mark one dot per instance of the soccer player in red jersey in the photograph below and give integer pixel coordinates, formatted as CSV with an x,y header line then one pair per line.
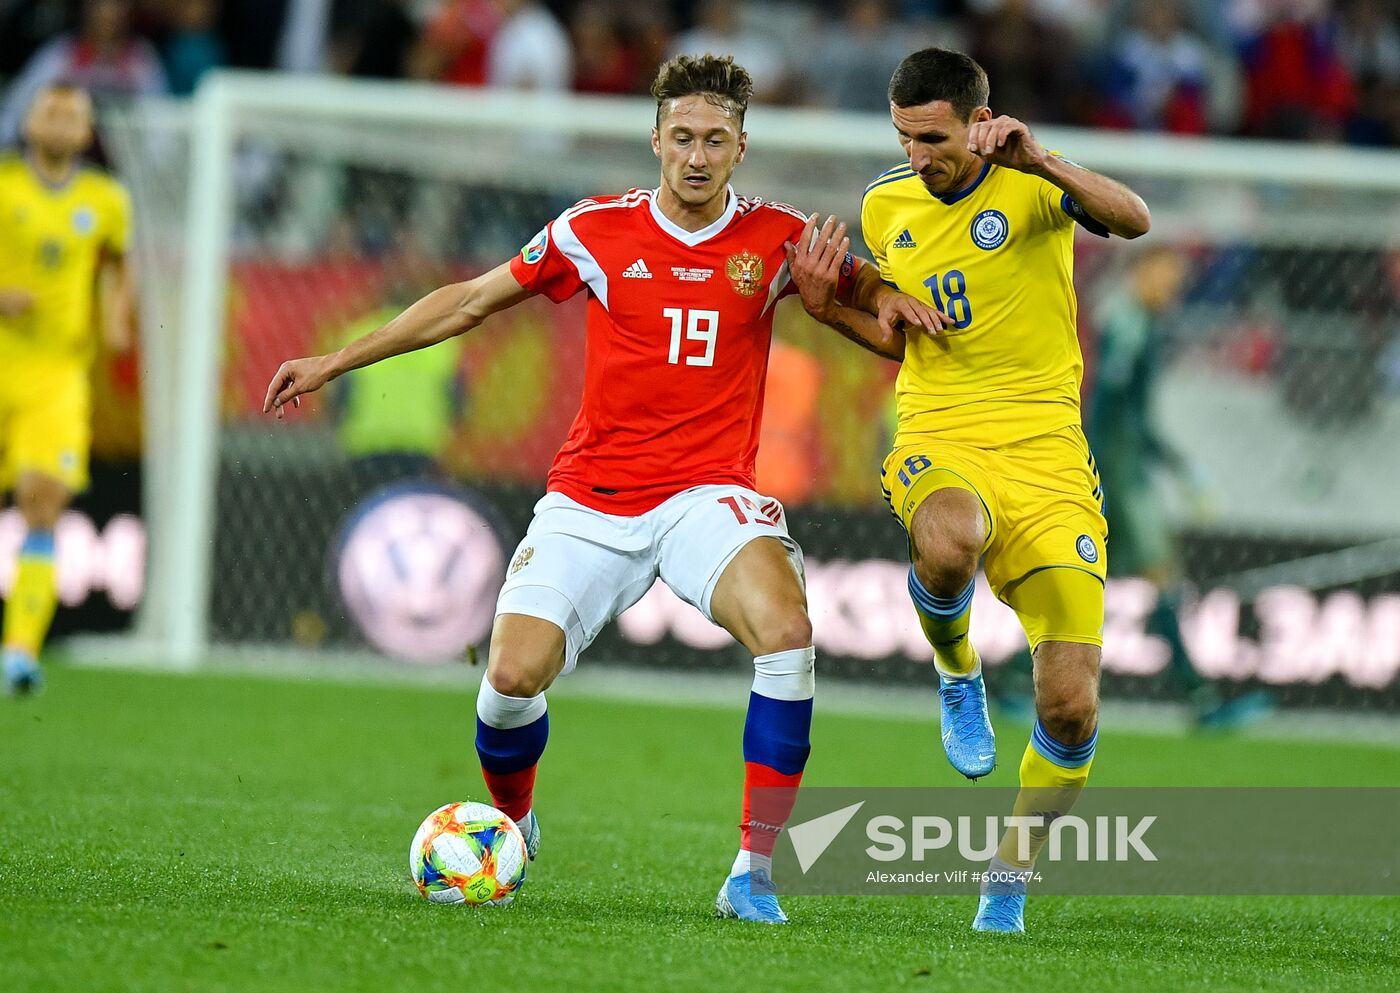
x,y
657,475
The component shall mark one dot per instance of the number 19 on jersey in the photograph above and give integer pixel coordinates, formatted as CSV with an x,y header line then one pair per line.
x,y
700,325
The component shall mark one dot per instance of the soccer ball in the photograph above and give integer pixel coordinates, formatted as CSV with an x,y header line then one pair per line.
x,y
468,853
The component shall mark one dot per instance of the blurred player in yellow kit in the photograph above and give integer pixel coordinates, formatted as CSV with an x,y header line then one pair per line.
x,y
990,459
65,233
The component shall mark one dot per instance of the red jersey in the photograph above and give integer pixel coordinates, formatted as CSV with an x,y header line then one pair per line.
x,y
679,324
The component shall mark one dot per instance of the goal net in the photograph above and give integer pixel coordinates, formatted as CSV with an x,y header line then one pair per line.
x,y
282,217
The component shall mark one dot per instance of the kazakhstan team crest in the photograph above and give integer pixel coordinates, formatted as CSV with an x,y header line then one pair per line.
x,y
1087,549
989,229
745,272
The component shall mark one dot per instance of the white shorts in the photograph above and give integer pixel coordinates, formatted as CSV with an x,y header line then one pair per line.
x,y
580,568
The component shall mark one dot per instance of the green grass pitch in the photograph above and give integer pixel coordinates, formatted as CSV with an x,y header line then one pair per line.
x,y
218,832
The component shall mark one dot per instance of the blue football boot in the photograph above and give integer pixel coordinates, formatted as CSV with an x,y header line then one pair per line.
x,y
750,897
1002,907
967,730
23,676
1004,913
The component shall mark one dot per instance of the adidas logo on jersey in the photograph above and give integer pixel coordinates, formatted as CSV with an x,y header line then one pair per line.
x,y
637,270
905,240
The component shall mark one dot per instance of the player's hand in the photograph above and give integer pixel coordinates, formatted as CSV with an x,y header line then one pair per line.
x,y
293,379
13,303
815,264
1005,141
900,313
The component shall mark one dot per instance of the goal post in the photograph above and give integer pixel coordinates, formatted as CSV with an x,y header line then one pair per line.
x,y
307,205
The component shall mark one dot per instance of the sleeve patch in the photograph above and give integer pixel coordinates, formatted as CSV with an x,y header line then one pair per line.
x,y
534,251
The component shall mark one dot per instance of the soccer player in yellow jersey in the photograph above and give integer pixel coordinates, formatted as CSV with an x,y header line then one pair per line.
x,y
64,230
990,460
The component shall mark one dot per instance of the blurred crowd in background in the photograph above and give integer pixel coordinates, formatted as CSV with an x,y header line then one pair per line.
x,y
1319,70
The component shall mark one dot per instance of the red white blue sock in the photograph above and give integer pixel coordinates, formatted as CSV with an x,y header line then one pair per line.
x,y
511,733
777,741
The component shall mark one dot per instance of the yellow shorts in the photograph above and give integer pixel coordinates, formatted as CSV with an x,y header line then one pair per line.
x,y
45,424
1044,509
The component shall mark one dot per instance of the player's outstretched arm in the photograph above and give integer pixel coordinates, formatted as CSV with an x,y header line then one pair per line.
x,y
1005,141
119,302
896,313
815,265
445,312
863,329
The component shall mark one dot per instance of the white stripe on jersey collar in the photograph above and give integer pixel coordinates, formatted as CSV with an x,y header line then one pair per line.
x,y
693,238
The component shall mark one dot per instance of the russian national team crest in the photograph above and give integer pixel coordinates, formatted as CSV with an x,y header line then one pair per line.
x,y
534,251
1088,551
745,272
989,230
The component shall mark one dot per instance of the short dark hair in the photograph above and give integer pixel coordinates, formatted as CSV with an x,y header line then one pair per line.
x,y
932,74
717,78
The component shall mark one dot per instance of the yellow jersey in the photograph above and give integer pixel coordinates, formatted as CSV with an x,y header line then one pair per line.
x,y
998,258
53,240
